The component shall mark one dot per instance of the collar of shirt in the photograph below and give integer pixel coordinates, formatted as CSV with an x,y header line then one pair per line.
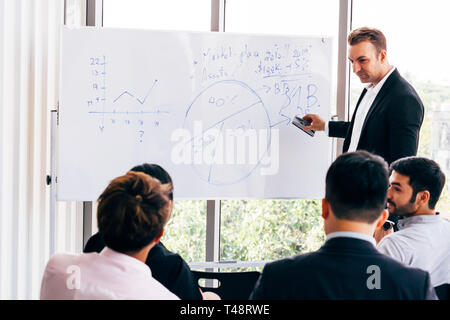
x,y
126,260
348,234
420,219
374,90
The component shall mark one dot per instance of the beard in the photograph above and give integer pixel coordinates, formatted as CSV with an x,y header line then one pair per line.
x,y
404,210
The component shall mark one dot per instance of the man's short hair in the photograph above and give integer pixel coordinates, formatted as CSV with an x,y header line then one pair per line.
x,y
132,211
424,174
357,185
374,36
158,172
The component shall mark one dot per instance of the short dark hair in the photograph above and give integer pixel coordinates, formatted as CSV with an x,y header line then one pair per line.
x,y
374,36
424,174
357,185
157,172
132,211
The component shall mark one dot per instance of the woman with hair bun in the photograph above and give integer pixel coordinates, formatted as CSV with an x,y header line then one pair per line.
x,y
132,213
167,267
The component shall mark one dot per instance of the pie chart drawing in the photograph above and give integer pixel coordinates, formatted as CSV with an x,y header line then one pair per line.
x,y
223,108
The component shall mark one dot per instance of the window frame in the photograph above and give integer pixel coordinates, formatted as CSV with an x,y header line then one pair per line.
x,y
94,17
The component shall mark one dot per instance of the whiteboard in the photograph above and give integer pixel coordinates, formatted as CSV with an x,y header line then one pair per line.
x,y
213,109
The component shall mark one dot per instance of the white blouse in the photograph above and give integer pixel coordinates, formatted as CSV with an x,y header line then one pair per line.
x,y
104,276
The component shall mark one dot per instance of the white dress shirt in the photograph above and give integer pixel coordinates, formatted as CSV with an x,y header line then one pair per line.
x,y
363,109
421,242
348,234
106,275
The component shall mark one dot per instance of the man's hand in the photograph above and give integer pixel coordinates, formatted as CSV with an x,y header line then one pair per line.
x,y
316,122
380,233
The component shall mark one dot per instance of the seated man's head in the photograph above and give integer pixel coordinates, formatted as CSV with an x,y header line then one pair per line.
x,y
156,171
356,190
133,211
416,184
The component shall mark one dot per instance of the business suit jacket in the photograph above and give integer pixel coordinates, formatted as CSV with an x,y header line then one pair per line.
x,y
339,270
391,128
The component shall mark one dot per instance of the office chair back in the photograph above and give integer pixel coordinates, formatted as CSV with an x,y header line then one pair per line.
x,y
443,291
232,285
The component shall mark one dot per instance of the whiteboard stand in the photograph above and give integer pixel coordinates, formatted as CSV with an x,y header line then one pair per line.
x,y
87,221
51,179
212,236
212,230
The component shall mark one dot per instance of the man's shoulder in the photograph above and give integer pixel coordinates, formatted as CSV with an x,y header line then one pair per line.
x,y
401,88
400,237
286,265
63,263
64,258
160,255
396,253
403,274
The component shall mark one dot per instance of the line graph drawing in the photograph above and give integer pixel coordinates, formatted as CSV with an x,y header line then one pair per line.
x,y
130,106
133,96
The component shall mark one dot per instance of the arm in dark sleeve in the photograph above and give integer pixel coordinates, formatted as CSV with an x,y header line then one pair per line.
x,y
173,272
184,284
258,292
264,290
338,129
404,124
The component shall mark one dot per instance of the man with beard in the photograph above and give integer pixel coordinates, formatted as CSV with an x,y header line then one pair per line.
x,y
423,239
348,266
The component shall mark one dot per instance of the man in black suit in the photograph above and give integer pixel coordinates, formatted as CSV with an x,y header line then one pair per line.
x,y
347,266
389,113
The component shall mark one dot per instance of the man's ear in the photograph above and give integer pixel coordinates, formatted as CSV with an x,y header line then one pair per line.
x,y
382,219
158,237
325,209
383,55
423,197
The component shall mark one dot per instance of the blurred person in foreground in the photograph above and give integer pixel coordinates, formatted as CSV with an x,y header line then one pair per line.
x,y
167,267
131,216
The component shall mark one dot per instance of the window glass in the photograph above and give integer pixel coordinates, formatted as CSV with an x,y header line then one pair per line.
x,y
253,230
156,14
186,231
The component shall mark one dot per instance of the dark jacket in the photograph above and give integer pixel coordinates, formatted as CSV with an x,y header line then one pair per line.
x,y
391,128
166,267
341,269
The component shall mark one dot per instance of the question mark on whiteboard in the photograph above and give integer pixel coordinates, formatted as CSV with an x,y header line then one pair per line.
x,y
141,133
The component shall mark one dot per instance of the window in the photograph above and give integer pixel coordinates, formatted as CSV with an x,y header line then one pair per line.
x,y
186,230
271,229
414,47
161,15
